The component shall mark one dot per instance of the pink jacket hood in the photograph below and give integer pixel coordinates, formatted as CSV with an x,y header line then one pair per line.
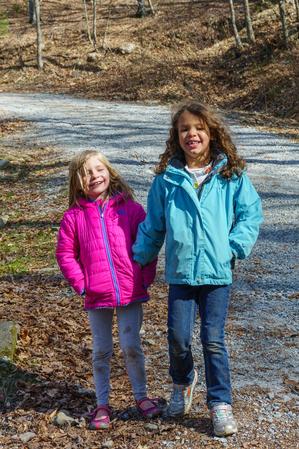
x,y
94,252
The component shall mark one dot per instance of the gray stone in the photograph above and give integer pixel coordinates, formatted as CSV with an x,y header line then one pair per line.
x,y
3,220
150,426
8,339
92,57
127,48
3,164
107,443
63,419
27,436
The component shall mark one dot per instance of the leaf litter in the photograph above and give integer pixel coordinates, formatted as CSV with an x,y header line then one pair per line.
x,y
52,372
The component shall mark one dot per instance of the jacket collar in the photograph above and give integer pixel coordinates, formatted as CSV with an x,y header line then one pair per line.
x,y
175,171
115,199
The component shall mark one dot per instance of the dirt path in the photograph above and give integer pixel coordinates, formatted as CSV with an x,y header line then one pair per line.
x,y
262,328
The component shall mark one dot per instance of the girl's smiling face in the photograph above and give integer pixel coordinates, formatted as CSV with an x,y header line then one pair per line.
x,y
194,140
97,178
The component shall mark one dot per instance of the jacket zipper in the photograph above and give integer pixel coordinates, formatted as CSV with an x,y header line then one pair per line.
x,y
110,260
210,175
200,190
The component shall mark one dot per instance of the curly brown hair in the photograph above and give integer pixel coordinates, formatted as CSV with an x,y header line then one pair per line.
x,y
220,139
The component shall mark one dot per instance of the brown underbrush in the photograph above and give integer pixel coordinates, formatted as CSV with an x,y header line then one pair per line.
x,y
185,49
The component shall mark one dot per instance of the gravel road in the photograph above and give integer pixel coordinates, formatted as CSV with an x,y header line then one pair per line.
x,y
263,324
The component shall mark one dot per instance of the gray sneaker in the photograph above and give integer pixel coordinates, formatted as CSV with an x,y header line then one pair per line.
x,y
223,420
181,398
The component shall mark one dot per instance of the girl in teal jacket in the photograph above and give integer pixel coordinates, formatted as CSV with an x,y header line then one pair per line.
x,y
204,206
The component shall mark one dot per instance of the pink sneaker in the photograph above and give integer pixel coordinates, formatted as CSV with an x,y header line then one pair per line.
x,y
149,408
100,418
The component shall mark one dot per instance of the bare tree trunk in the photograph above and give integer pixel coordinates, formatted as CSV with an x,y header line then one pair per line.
x,y
151,7
39,37
31,12
296,2
142,11
250,33
235,29
283,19
106,28
94,23
87,21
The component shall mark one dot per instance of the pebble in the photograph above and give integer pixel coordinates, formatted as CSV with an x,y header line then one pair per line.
x,y
85,391
3,220
3,164
27,436
63,419
151,426
107,444
221,440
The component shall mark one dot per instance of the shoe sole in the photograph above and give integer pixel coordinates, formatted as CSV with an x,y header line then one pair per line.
x,y
188,408
99,427
192,387
226,434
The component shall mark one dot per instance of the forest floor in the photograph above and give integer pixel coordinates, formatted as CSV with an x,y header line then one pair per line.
x,y
174,58
52,370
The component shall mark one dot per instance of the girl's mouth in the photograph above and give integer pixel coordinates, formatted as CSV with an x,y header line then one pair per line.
x,y
192,143
97,183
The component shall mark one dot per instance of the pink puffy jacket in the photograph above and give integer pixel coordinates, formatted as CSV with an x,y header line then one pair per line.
x,y
94,252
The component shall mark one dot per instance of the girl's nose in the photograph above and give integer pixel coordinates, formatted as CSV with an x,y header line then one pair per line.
x,y
192,131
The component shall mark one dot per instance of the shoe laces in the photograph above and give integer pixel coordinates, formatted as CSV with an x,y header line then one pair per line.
x,y
177,392
221,413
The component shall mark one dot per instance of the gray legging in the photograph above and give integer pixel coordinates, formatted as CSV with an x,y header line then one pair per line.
x,y
129,321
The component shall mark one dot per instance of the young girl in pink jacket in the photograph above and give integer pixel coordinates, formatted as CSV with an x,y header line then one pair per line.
x,y
94,253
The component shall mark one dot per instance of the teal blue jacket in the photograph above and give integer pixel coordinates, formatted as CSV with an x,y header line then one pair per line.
x,y
203,231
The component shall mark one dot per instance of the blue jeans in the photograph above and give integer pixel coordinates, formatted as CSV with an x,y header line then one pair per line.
x,y
212,302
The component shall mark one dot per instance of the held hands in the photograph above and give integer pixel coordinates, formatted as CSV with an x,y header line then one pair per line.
x,y
145,285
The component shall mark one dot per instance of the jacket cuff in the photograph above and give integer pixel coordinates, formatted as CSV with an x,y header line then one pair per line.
x,y
237,250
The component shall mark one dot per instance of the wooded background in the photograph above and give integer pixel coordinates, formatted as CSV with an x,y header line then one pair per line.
x,y
232,53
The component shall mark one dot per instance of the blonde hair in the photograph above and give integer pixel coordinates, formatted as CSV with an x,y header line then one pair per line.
x,y
220,139
77,174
